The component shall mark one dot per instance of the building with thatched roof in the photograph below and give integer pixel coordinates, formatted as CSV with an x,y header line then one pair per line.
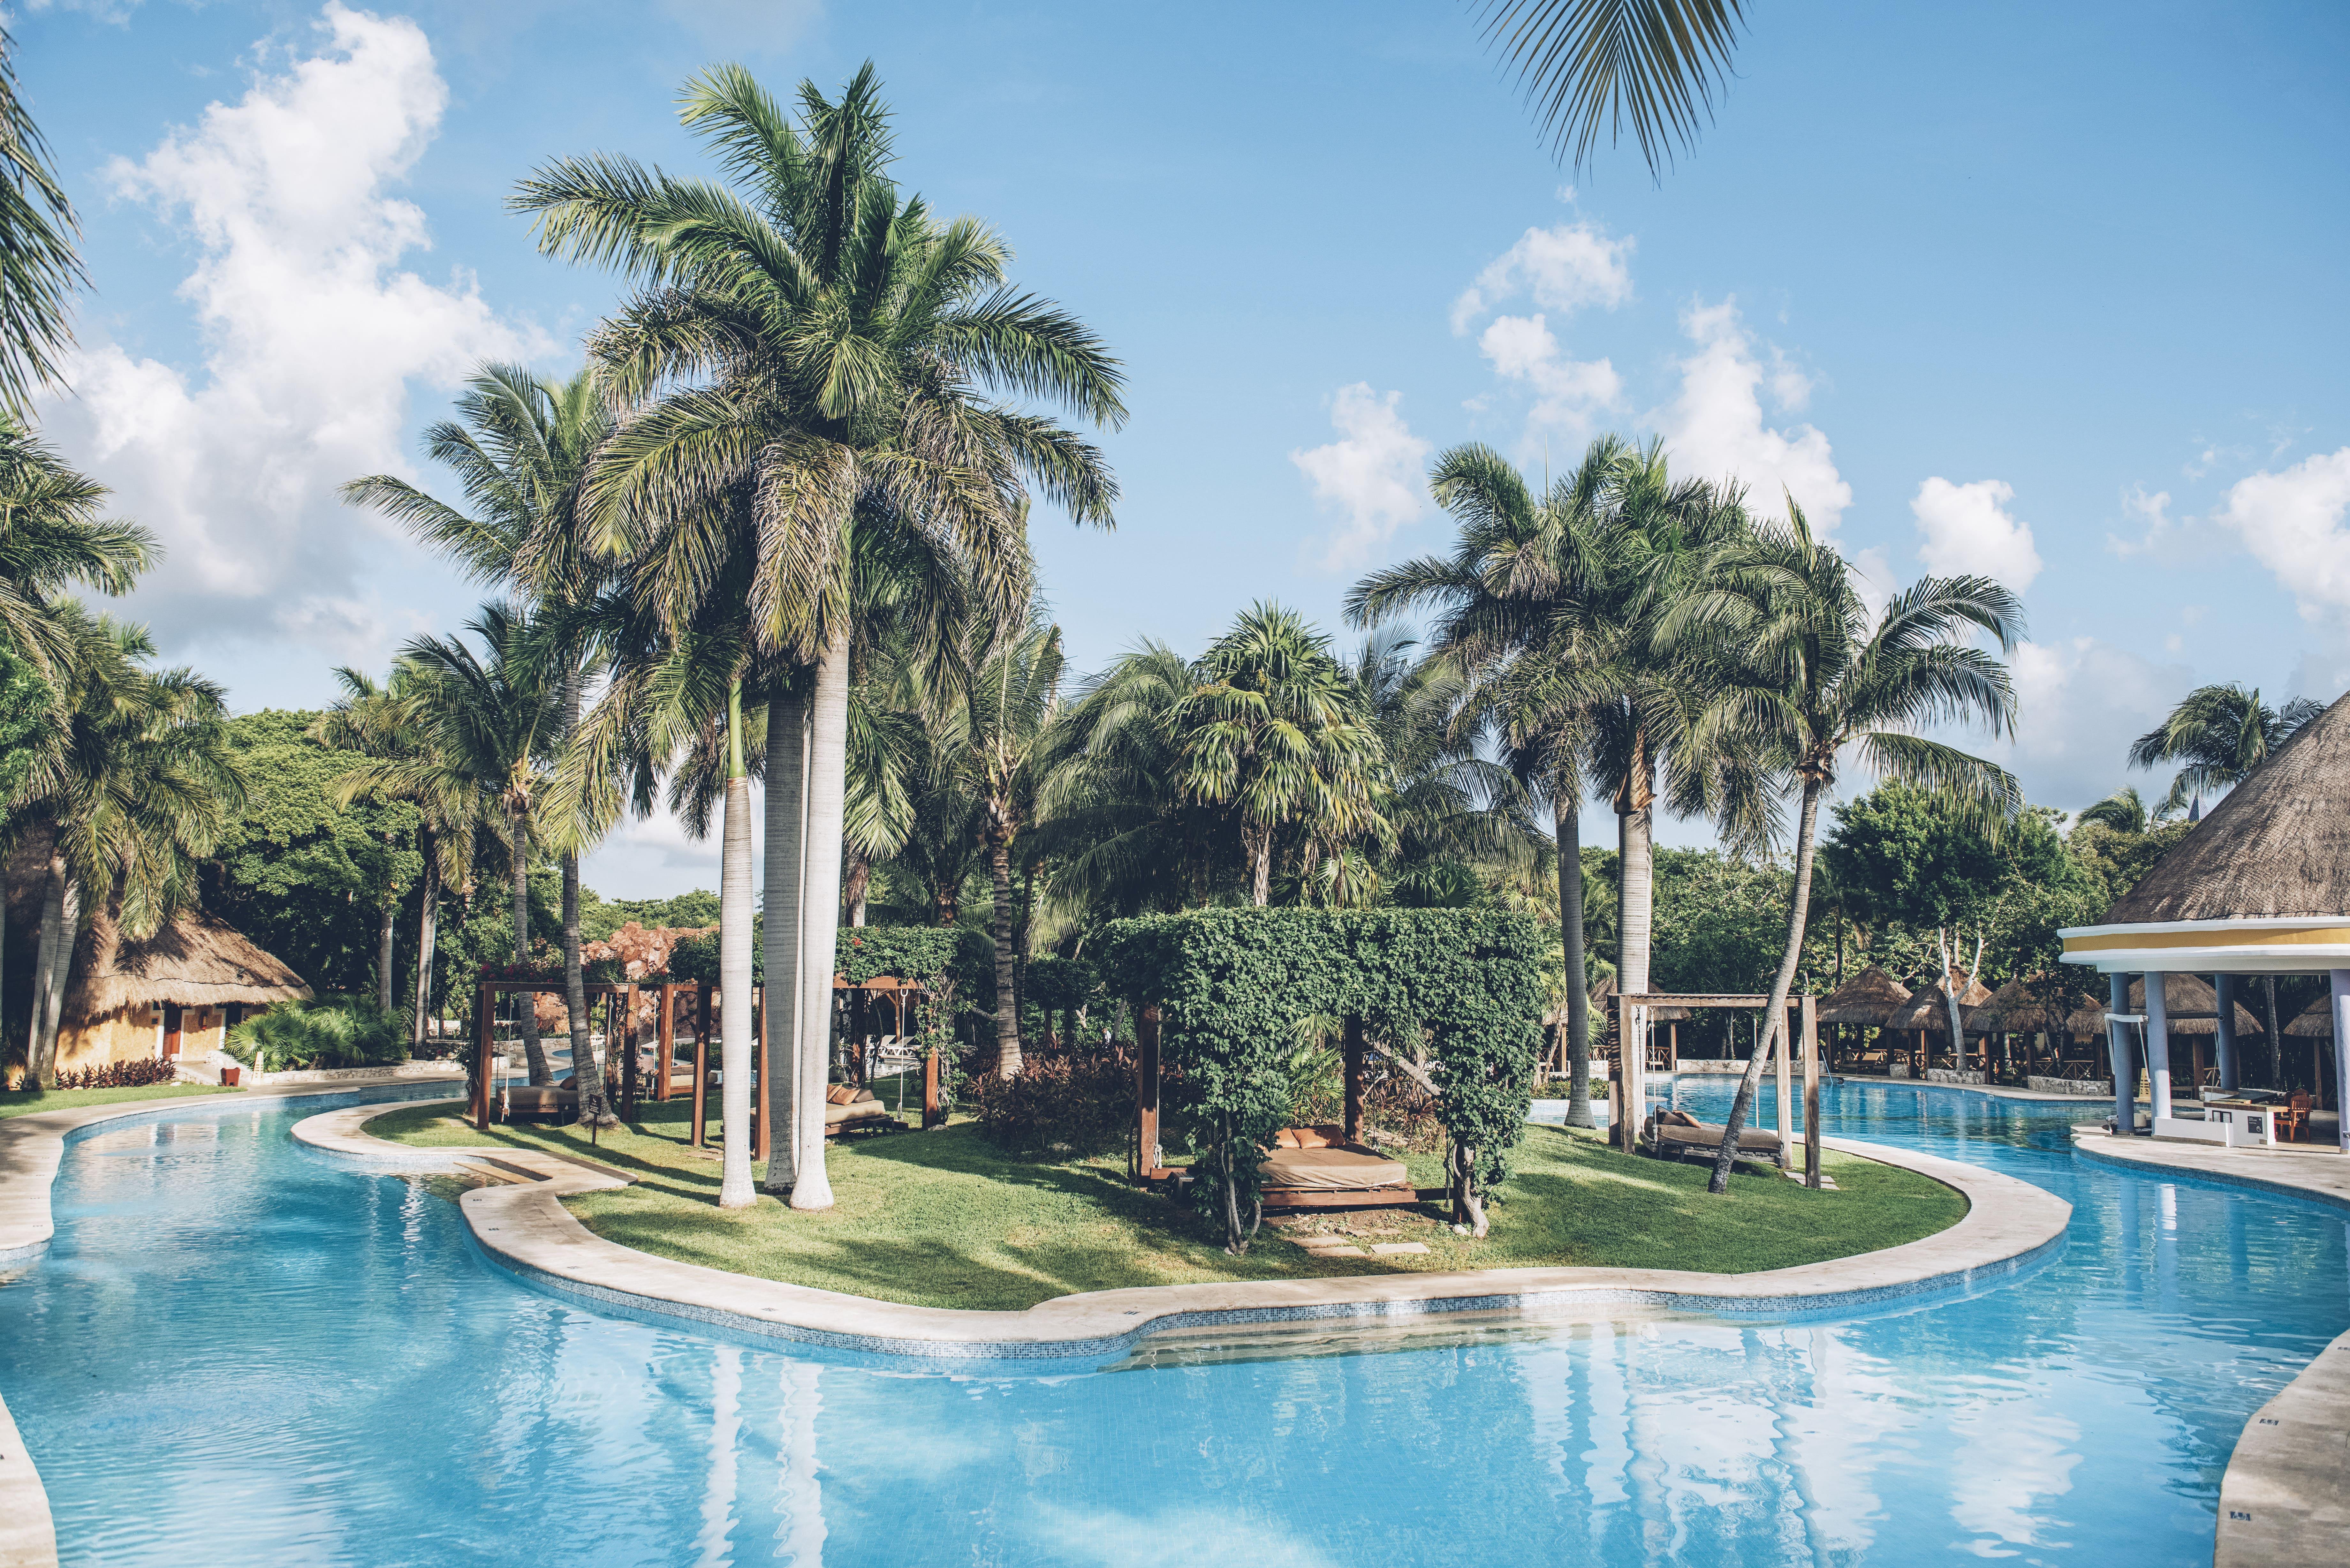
x,y
1865,1000
2260,886
174,994
1928,1010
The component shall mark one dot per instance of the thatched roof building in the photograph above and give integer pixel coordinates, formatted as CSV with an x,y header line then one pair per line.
x,y
2314,1022
1927,1010
1867,999
194,960
2015,1009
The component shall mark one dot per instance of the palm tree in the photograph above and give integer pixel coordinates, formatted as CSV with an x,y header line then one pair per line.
x,y
367,719
491,720
2124,811
521,448
40,268
810,355
2221,733
391,726
1803,678
135,784
1588,63
1275,729
52,537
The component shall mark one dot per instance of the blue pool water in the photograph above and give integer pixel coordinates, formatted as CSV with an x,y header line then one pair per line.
x,y
336,1377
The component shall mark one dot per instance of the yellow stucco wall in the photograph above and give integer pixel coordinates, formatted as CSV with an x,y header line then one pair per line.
x,y
126,1035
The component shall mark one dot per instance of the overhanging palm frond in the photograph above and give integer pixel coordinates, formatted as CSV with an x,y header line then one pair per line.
x,y
1587,65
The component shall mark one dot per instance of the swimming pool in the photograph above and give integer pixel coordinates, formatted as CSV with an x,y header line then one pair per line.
x,y
238,1352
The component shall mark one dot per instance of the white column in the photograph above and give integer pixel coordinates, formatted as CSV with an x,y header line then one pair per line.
x,y
2341,982
2157,1045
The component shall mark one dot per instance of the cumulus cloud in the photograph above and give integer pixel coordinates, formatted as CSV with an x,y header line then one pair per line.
x,y
312,334
1715,427
1967,529
2291,523
2079,704
1371,475
1569,266
1568,393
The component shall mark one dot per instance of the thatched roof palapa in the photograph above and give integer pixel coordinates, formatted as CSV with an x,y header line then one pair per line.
x,y
2189,1003
2315,1020
2277,845
2015,1010
1926,1009
194,960
1869,999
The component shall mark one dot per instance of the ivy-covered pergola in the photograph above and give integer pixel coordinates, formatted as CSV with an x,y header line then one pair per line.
x,y
1451,998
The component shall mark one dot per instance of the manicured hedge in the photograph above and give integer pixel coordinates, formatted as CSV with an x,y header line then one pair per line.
x,y
1229,984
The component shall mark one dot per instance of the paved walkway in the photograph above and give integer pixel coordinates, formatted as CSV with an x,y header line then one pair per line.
x,y
2285,1499
525,1227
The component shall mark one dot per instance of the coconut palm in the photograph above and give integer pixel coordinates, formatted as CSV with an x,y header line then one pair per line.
x,y
2221,733
2124,811
1803,677
1588,63
134,783
367,719
52,535
391,727
492,719
810,351
521,448
40,268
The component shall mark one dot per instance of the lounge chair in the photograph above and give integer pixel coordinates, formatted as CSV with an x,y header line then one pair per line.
x,y
1677,1135
848,1110
1315,1168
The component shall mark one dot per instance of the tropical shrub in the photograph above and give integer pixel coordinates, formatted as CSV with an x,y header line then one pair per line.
x,y
330,1032
131,1074
1063,1101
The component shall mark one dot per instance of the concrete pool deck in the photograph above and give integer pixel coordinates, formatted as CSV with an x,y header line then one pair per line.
x,y
2285,1499
525,1227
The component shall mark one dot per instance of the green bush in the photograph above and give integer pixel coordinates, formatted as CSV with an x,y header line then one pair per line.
x,y
1060,1101
331,1032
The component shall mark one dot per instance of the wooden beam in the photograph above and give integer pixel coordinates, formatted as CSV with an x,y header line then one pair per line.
x,y
1146,1090
701,1060
484,1046
665,1037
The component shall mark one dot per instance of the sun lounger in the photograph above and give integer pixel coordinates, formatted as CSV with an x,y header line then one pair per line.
x,y
848,1110
1314,1168
1677,1135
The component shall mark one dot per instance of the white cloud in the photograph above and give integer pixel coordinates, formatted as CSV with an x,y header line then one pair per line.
x,y
1967,529
2155,527
2293,524
1715,429
2079,704
1566,267
1567,392
312,333
1875,581
1372,474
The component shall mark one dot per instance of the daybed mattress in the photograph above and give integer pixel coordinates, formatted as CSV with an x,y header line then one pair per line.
x,y
1760,1140
1331,1169
526,1100
856,1111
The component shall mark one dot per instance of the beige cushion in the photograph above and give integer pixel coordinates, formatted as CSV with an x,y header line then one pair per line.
x,y
1323,1136
1332,1170
1706,1134
534,1101
863,1110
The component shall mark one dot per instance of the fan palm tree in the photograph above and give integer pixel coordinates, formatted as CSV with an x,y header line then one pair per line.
x,y
52,535
135,782
2221,733
809,348
492,719
521,448
40,266
1585,64
1803,679
391,726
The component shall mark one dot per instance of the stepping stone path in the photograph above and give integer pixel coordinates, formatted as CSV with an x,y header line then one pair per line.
x,y
1396,1249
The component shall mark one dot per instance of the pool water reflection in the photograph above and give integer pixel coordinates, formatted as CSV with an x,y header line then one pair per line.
x,y
237,1352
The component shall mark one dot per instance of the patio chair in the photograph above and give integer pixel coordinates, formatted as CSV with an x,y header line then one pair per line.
x,y
2292,1118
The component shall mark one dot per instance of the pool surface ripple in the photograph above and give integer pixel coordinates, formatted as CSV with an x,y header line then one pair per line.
x,y
237,1352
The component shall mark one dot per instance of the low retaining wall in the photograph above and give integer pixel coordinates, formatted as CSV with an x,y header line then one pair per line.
x,y
1953,1075
2087,1088
208,1071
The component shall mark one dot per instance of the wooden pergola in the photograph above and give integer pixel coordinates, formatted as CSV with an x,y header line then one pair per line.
x,y
1626,1130
898,993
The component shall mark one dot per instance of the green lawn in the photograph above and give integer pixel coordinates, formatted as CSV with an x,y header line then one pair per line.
x,y
944,1219
24,1102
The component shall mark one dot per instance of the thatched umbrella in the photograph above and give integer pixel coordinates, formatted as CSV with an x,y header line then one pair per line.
x,y
1929,1009
2013,1010
2315,1022
1867,1000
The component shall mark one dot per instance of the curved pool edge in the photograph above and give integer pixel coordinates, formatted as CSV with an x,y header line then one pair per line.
x,y
2010,1225
28,1537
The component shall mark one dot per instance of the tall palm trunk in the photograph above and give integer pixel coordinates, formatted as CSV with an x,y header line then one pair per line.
x,y
383,937
828,779
1259,844
1007,997
734,1189
428,928
854,886
1635,906
534,1051
41,1037
1775,1018
587,1058
786,786
1566,815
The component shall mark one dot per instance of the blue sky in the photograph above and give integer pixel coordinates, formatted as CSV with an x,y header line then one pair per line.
x,y
2047,292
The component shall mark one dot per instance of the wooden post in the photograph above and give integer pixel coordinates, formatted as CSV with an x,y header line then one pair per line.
x,y
485,1044
932,1112
665,1037
1146,1093
761,1131
1673,1044
1351,1047
629,1045
1786,1099
701,1060
1811,1092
